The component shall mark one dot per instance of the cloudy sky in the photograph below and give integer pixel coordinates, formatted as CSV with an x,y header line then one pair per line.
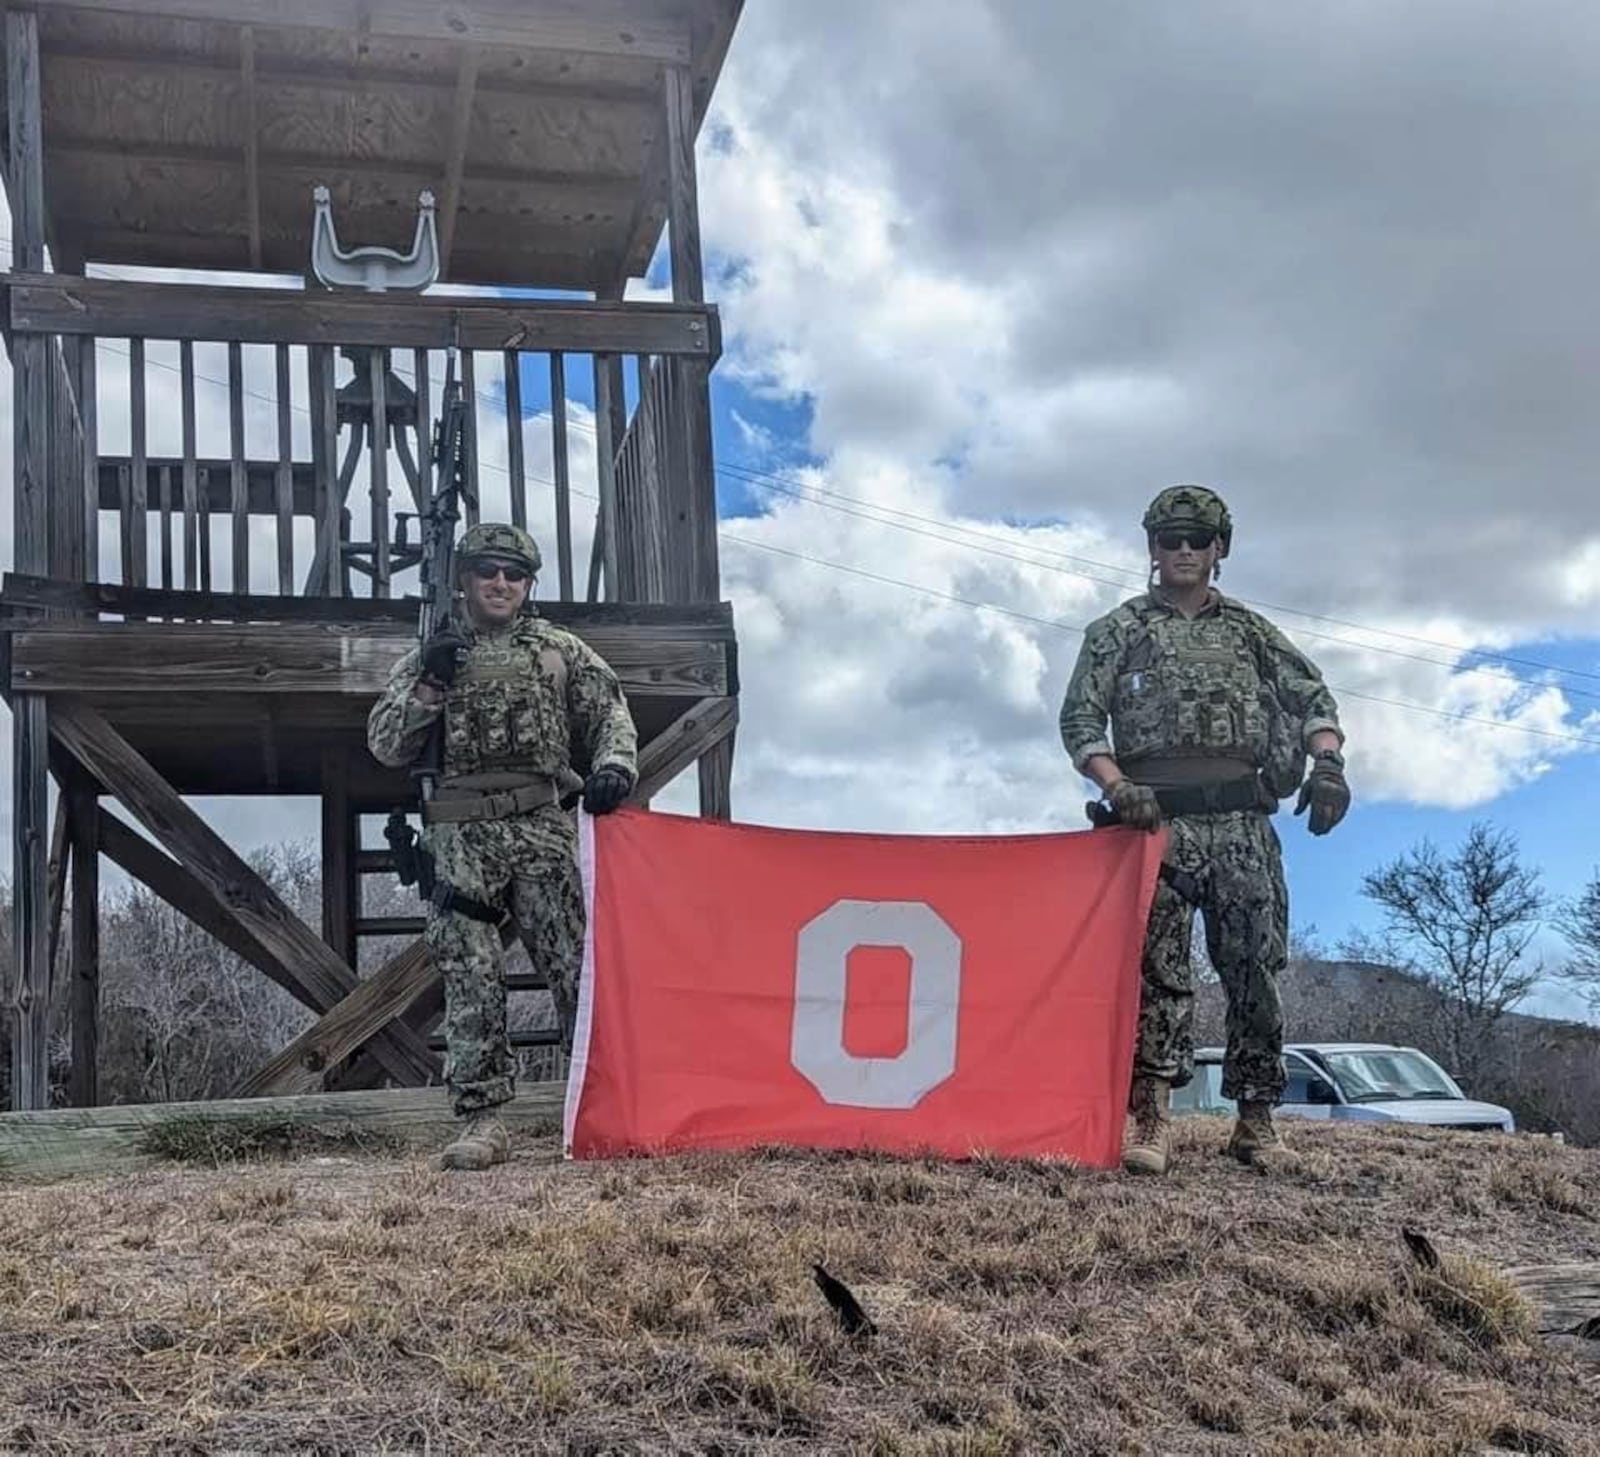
x,y
993,274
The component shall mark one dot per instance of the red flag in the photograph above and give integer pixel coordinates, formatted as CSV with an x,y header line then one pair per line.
x,y
747,986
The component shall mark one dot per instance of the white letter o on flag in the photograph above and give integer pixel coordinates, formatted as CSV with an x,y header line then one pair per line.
x,y
821,971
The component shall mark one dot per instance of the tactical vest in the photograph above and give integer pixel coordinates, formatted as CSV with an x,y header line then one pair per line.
x,y
1192,687
507,708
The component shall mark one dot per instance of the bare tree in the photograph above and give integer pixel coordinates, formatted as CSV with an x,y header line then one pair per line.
x,y
1464,924
182,1016
1578,920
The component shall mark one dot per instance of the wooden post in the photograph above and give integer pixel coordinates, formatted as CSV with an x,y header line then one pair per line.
x,y
136,529
89,414
692,423
340,893
30,1082
515,467
83,820
191,470
605,447
559,455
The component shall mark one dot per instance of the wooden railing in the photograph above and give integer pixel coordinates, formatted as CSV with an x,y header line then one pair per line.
x,y
205,503
665,489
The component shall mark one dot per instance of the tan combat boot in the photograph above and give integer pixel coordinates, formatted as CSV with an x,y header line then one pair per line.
x,y
482,1142
1256,1140
1149,1147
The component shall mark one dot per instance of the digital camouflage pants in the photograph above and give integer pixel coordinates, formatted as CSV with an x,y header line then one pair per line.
x,y
529,865
1237,863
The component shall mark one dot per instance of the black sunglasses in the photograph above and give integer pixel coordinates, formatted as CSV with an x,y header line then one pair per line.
x,y
1174,540
486,571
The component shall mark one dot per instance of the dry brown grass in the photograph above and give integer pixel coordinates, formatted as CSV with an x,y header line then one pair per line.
x,y
375,1304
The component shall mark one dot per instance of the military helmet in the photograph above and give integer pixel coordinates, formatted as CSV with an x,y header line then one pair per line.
x,y
1193,506
495,539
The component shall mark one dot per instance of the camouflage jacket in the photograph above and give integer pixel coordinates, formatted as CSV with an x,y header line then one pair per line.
x,y
1221,683
525,696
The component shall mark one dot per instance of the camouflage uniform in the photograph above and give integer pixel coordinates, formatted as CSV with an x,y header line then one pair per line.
x,y
1220,686
523,695
1211,718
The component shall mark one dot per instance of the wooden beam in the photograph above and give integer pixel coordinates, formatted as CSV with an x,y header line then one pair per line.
x,y
251,147
683,191
455,153
561,463
56,886
716,781
673,750
50,303
65,1142
84,819
30,978
185,893
23,593
114,657
594,28
341,894
605,446
323,980
384,81
1564,1295
389,993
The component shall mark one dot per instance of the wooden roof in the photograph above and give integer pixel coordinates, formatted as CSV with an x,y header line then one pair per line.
x,y
190,133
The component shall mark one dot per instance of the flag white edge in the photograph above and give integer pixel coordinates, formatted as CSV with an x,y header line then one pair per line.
x,y
578,1064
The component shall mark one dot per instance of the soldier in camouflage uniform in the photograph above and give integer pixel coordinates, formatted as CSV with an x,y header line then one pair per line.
x,y
1212,712
515,691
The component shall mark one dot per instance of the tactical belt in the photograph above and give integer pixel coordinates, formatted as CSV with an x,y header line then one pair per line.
x,y
445,808
1211,799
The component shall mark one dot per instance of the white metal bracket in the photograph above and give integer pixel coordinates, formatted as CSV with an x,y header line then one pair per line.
x,y
375,269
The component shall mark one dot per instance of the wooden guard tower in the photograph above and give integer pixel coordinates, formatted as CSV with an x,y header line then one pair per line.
x,y
186,620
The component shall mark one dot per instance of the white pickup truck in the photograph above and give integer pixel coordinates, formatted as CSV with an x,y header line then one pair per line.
x,y
1353,1082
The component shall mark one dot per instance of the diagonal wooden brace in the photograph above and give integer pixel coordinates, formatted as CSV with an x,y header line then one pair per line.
x,y
309,968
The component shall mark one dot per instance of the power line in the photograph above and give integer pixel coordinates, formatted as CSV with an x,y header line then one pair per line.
x,y
1078,631
955,534
1052,624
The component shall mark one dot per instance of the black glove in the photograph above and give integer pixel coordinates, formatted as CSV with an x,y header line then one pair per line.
x,y
1326,793
1135,804
441,655
605,789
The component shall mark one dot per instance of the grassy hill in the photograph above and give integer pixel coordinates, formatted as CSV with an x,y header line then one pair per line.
x,y
359,1302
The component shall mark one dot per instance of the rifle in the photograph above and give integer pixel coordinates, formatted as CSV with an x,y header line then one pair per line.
x,y
452,484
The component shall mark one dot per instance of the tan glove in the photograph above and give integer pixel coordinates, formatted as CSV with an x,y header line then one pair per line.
x,y
1135,804
1326,792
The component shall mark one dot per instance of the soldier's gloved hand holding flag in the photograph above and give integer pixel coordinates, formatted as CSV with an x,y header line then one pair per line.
x,y
605,789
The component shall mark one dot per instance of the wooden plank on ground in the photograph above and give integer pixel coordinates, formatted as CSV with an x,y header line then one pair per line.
x,y
65,1142
112,657
54,303
322,980
1564,1295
